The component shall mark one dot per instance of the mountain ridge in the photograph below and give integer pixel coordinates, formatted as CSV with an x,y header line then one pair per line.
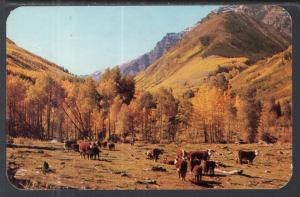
x,y
226,35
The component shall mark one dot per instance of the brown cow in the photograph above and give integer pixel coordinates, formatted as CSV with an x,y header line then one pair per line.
x,y
197,171
180,153
246,156
84,149
200,154
208,167
181,167
111,146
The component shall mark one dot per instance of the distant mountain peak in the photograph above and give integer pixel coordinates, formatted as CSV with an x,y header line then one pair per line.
x,y
273,15
139,64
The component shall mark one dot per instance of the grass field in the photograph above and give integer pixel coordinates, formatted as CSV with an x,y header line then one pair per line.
x,y
124,167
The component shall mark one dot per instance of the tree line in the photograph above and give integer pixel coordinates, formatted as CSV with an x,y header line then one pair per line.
x,y
66,108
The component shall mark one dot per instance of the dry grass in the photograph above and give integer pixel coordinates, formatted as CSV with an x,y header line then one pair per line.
x,y
21,62
270,77
121,169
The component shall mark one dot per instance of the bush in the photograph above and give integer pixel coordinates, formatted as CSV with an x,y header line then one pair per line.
x,y
267,137
205,40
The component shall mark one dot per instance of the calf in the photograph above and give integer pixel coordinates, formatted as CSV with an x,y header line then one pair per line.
x,y
194,163
208,167
168,161
246,156
111,146
84,149
149,154
180,153
197,172
68,144
181,167
156,152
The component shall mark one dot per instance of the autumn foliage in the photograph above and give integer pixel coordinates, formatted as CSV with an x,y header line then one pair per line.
x,y
60,108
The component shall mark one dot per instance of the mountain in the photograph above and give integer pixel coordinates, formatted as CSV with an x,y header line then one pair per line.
x,y
273,15
222,39
24,64
95,75
141,63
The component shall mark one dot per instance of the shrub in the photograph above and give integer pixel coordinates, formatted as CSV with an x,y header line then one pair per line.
x,y
205,40
267,137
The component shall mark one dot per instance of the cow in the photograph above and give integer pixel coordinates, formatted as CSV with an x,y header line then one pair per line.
x,y
168,161
181,167
84,149
246,156
102,144
194,163
181,153
156,152
132,142
197,172
149,154
200,154
93,152
208,167
68,144
111,146
75,147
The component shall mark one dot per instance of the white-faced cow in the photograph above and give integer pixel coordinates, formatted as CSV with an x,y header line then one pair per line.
x,y
154,153
246,156
181,167
181,153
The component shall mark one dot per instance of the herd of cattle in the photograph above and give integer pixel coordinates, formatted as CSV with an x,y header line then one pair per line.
x,y
89,149
198,161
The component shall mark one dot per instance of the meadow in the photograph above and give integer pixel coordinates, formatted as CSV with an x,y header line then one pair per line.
x,y
128,168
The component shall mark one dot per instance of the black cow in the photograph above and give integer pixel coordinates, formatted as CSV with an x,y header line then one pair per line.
x,y
68,144
246,156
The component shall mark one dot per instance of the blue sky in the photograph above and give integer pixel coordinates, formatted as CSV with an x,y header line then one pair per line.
x,y
90,38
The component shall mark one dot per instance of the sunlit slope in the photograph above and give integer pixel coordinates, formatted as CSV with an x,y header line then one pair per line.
x,y
22,63
270,77
227,39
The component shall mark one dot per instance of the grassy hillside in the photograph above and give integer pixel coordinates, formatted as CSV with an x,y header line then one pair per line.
x,y
229,40
22,63
270,77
